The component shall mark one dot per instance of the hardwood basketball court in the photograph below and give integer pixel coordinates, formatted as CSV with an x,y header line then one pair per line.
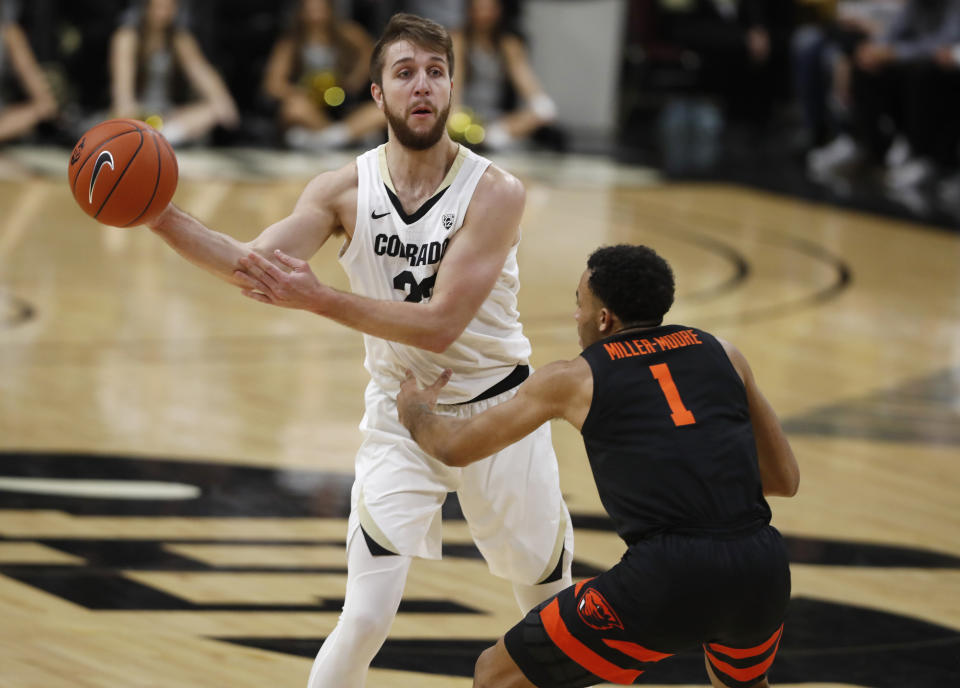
x,y
175,459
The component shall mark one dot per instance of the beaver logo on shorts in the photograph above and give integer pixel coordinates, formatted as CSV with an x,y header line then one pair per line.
x,y
596,612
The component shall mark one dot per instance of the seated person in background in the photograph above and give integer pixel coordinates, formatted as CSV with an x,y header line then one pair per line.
x,y
823,61
19,116
496,71
896,80
318,75
742,49
948,61
157,69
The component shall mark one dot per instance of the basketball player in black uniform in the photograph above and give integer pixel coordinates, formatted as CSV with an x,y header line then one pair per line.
x,y
683,448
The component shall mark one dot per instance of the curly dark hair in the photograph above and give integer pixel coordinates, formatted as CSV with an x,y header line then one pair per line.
x,y
632,281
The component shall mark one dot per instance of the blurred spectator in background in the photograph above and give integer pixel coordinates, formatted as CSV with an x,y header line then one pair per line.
x,y
318,73
823,61
502,101
157,69
947,58
742,49
898,89
20,112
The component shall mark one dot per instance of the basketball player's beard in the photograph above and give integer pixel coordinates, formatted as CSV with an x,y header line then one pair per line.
x,y
408,138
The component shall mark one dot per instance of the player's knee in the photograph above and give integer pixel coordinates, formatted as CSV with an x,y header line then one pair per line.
x,y
366,626
483,673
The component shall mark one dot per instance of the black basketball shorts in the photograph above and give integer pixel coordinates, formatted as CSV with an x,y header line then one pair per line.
x,y
667,594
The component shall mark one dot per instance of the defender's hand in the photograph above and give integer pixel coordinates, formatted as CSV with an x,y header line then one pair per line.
x,y
413,402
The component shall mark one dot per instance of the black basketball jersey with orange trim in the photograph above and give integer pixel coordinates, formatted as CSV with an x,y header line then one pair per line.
x,y
669,437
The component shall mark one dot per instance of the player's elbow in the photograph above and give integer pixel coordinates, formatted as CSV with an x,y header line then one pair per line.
x,y
439,340
438,346
450,457
793,486
454,453
784,486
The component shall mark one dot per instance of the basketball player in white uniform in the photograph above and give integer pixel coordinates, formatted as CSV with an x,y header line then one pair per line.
x,y
404,210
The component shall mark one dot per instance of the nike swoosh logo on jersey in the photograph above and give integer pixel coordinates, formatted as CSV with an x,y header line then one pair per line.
x,y
377,217
105,158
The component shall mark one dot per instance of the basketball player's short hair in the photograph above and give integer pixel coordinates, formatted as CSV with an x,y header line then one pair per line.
x,y
632,281
423,33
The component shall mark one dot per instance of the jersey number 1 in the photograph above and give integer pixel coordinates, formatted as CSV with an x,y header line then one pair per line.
x,y
679,414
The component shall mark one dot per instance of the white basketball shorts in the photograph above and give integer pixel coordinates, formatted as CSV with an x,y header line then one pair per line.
x,y
511,500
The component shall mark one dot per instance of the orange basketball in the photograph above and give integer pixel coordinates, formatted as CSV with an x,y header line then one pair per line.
x,y
123,172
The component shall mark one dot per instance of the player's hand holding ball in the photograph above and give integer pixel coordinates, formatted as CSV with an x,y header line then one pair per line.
x,y
123,172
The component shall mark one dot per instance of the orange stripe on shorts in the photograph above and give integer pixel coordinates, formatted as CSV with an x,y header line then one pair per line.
x,y
739,653
636,651
580,653
747,674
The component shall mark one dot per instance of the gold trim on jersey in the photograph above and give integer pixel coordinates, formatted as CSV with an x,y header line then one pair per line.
x,y
447,181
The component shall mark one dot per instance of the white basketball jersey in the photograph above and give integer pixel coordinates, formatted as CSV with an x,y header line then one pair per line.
x,y
395,256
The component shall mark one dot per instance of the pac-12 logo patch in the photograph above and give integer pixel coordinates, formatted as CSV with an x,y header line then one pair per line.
x,y
447,220
596,612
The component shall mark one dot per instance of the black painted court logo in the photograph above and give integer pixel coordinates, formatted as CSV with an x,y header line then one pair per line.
x,y
823,641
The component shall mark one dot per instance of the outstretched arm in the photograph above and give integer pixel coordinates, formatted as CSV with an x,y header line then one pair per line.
x,y
470,268
562,389
314,219
779,472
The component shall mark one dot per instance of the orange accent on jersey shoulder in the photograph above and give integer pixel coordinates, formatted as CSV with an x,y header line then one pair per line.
x,y
636,651
740,653
748,674
580,653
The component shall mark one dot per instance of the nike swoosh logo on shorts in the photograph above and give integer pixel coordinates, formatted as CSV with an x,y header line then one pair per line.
x,y
377,217
105,158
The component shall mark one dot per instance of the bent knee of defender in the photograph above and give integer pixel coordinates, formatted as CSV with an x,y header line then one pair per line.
x,y
484,669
